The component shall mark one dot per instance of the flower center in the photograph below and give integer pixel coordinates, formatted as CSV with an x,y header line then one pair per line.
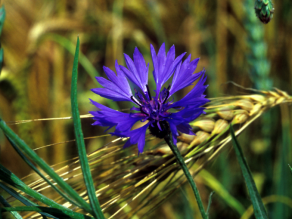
x,y
159,132
154,110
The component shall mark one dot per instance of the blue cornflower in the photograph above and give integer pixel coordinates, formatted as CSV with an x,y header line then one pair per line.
x,y
163,115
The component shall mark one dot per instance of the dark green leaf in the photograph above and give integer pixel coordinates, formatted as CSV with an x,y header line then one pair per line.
x,y
259,208
45,167
209,202
56,212
21,198
97,212
6,204
9,178
39,173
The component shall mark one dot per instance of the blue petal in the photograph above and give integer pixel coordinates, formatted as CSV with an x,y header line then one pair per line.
x,y
137,136
184,76
116,88
172,66
163,65
195,96
108,117
155,63
178,125
187,114
137,71
107,93
185,128
173,130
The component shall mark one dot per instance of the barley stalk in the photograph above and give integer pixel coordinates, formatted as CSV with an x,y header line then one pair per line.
x,y
128,184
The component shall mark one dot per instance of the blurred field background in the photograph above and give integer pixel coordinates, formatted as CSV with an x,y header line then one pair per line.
x,y
39,39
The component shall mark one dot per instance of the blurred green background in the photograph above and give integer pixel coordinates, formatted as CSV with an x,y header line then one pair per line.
x,y
39,39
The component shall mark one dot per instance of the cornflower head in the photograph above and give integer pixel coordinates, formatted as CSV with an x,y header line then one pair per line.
x,y
163,115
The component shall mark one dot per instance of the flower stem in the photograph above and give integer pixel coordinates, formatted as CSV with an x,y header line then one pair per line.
x,y
187,173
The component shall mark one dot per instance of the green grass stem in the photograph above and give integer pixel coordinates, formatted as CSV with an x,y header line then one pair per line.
x,y
9,178
53,211
97,212
6,204
44,166
187,173
259,208
29,163
22,199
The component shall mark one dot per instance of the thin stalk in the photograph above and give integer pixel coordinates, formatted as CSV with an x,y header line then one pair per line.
x,y
44,166
97,212
187,173
54,211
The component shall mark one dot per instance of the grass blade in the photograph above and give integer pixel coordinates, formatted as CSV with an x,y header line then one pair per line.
x,y
29,163
11,179
53,211
22,199
259,208
209,202
48,170
6,204
97,213
220,191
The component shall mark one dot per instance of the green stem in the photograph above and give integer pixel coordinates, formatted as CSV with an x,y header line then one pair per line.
x,y
44,166
53,211
187,173
97,212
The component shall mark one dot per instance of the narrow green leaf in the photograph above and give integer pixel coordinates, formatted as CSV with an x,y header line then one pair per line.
x,y
282,182
97,212
44,166
6,204
259,208
11,179
219,189
209,202
39,173
19,197
22,199
53,211
181,162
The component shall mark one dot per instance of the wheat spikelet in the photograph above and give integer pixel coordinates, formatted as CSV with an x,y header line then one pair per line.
x,y
128,184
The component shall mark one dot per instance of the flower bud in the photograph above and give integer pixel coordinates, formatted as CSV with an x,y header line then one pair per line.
x,y
264,10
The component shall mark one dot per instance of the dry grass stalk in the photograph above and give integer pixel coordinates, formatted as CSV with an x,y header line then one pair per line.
x,y
128,184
